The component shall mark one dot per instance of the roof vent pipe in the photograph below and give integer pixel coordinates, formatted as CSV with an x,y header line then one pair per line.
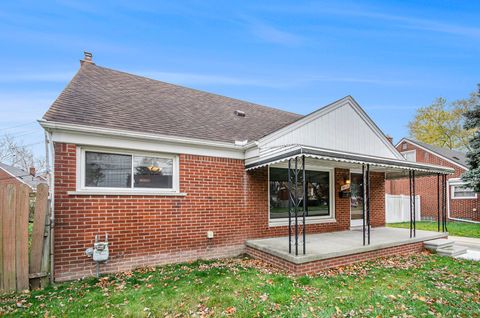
x,y
239,113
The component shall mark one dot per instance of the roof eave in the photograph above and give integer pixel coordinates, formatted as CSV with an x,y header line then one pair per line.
x,y
431,151
52,126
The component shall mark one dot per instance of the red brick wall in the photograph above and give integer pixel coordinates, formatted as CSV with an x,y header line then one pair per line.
x,y
150,230
377,199
316,266
426,187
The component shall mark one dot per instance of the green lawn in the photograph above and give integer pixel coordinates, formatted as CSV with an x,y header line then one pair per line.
x,y
454,228
418,286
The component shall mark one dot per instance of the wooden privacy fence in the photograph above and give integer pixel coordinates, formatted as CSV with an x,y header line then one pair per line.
x,y
18,270
397,208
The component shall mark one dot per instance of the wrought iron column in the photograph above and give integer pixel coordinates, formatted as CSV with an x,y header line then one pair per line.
x,y
296,206
444,208
305,198
446,202
296,195
289,207
414,206
364,189
438,202
368,203
410,196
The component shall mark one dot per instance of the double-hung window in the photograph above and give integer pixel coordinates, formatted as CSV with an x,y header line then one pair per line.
x,y
460,191
127,172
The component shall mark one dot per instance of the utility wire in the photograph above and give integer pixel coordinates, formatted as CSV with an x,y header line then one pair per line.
x,y
23,133
16,126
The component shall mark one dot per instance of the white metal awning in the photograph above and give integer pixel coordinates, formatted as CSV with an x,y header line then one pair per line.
x,y
393,168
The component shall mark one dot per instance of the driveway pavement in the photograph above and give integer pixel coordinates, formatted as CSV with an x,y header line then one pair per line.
x,y
472,245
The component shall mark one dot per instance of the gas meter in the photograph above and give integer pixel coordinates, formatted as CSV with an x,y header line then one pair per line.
x,y
100,251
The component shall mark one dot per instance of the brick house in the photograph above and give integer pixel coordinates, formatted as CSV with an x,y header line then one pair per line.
x,y
14,175
462,202
175,174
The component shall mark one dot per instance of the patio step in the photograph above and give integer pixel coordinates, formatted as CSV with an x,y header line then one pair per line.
x,y
434,245
453,251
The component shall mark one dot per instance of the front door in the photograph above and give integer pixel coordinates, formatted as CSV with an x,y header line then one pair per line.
x,y
356,199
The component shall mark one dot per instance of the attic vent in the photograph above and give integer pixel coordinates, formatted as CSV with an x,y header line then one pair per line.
x,y
456,158
239,113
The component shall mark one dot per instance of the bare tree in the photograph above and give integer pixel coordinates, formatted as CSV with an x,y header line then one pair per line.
x,y
18,155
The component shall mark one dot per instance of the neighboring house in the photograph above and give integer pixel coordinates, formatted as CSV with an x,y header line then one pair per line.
x,y
462,202
14,175
175,174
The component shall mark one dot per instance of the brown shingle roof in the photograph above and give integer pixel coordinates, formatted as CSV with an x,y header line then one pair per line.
x,y
98,96
454,155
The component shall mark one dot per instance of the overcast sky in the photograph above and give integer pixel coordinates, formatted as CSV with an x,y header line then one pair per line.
x,y
391,56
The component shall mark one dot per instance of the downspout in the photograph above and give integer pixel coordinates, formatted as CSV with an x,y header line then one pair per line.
x,y
51,176
448,208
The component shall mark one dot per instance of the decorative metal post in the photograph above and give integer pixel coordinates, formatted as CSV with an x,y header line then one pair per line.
x,y
289,207
364,189
305,201
414,206
296,195
438,202
445,203
368,203
410,196
296,206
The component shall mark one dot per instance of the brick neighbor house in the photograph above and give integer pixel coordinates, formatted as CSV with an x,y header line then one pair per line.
x,y
14,175
462,202
175,174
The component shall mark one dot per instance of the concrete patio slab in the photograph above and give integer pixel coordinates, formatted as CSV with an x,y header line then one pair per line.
x,y
335,244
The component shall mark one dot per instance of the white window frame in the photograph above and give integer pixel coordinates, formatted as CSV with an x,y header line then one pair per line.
x,y
330,218
80,174
452,190
409,152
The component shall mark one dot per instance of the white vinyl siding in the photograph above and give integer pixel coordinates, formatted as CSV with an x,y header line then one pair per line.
x,y
342,128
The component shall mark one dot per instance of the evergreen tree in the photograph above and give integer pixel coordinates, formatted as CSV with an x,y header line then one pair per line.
x,y
472,121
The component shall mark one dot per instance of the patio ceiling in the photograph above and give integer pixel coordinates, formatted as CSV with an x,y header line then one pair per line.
x,y
393,168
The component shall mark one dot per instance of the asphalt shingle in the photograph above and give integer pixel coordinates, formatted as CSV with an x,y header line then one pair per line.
x,y
102,97
454,155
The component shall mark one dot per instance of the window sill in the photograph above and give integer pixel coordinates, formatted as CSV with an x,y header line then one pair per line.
x,y
129,193
311,220
465,198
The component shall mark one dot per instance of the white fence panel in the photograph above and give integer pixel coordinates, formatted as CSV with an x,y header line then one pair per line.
x,y
397,208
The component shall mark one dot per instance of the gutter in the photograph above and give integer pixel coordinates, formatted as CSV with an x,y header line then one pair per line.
x,y
137,135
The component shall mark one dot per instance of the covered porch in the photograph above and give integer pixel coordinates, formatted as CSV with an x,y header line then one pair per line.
x,y
323,246
303,247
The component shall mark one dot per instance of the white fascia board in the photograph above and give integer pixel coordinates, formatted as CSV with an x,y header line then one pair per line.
x,y
431,152
122,139
327,109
